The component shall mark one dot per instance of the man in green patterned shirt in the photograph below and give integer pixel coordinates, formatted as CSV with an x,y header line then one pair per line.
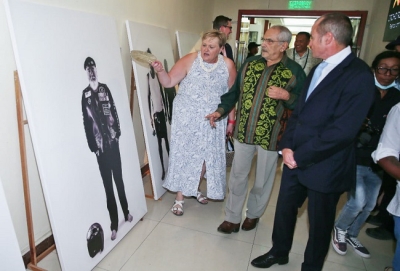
x,y
265,85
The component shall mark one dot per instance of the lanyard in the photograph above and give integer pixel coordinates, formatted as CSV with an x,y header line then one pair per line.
x,y
308,53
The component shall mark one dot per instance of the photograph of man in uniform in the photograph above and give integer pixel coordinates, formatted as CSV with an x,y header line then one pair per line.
x,y
158,106
102,130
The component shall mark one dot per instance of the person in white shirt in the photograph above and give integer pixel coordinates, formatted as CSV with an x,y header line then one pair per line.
x,y
387,156
301,53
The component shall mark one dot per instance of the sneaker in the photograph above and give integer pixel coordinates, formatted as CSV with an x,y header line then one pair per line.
x,y
339,241
358,247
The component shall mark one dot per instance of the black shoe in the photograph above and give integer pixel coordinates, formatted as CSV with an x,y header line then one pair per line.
x,y
374,220
379,233
266,260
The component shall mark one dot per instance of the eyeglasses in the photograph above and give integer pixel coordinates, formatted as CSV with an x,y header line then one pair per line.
x,y
393,71
269,41
230,27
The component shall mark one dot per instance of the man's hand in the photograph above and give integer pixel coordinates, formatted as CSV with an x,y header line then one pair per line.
x,y
278,93
288,158
213,117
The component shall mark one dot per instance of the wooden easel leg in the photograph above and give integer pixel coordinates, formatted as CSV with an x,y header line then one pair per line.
x,y
25,180
35,268
152,190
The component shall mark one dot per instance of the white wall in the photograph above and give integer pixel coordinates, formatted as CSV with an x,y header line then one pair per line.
x,y
186,15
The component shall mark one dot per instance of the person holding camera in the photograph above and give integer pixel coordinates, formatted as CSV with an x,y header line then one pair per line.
x,y
362,197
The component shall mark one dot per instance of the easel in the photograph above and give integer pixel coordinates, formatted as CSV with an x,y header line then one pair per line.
x,y
24,167
145,170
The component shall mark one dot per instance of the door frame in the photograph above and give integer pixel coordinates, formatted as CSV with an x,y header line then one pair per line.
x,y
304,13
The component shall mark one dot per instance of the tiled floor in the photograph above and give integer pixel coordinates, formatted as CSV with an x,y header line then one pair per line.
x,y
163,241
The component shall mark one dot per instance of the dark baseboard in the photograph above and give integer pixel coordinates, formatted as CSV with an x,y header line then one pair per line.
x,y
40,248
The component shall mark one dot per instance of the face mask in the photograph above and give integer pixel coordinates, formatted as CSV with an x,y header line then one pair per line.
x,y
393,84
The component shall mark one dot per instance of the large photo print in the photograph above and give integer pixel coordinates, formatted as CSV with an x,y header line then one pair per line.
x,y
76,103
155,101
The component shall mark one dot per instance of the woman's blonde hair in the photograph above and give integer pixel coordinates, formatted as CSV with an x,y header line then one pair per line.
x,y
215,34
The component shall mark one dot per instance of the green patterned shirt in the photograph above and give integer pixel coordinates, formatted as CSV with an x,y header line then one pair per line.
x,y
258,116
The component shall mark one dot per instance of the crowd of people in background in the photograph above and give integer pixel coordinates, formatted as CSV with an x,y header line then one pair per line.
x,y
339,138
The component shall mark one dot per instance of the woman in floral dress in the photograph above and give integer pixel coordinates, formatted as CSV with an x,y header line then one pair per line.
x,y
195,147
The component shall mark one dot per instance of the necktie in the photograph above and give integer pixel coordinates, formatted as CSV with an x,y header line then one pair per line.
x,y
315,78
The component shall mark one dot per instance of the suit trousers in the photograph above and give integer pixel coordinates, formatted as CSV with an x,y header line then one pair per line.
x,y
321,215
110,166
238,181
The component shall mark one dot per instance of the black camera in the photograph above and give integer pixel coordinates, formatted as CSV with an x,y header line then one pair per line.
x,y
366,133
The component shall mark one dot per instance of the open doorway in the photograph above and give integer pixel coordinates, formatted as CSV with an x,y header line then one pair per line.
x,y
253,23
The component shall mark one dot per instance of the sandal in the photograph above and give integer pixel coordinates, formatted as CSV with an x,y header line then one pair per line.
x,y
201,199
177,208
388,268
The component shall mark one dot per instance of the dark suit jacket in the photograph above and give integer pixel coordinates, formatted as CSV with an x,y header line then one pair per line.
x,y
322,130
229,52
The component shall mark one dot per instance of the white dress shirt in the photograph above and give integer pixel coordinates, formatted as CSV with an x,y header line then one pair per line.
x,y
333,61
389,145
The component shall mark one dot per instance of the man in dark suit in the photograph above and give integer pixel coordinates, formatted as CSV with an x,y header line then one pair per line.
x,y
318,144
224,24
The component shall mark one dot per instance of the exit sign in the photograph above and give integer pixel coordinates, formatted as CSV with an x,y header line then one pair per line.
x,y
300,4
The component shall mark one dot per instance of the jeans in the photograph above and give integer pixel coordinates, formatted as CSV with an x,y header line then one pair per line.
x,y
396,259
361,201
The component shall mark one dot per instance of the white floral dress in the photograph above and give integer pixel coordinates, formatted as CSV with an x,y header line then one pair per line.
x,y
193,141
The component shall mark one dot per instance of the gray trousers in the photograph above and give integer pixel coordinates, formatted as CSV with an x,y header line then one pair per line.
x,y
259,194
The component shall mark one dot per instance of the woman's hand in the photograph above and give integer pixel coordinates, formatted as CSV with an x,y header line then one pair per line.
x,y
158,67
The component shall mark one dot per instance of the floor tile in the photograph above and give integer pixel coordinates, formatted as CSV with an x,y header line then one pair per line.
x,y
171,247
127,246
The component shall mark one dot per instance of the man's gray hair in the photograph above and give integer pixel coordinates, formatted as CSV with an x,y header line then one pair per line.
x,y
338,24
284,33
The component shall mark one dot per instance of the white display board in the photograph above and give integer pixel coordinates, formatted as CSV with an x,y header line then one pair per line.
x,y
10,255
188,42
51,45
155,102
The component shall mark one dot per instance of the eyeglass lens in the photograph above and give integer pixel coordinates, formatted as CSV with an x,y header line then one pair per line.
x,y
393,71
269,41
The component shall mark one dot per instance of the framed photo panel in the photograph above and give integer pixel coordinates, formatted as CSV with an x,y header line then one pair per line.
x,y
188,42
76,103
155,101
10,255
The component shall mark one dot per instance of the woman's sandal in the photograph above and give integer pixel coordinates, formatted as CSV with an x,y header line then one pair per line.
x,y
201,199
177,208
